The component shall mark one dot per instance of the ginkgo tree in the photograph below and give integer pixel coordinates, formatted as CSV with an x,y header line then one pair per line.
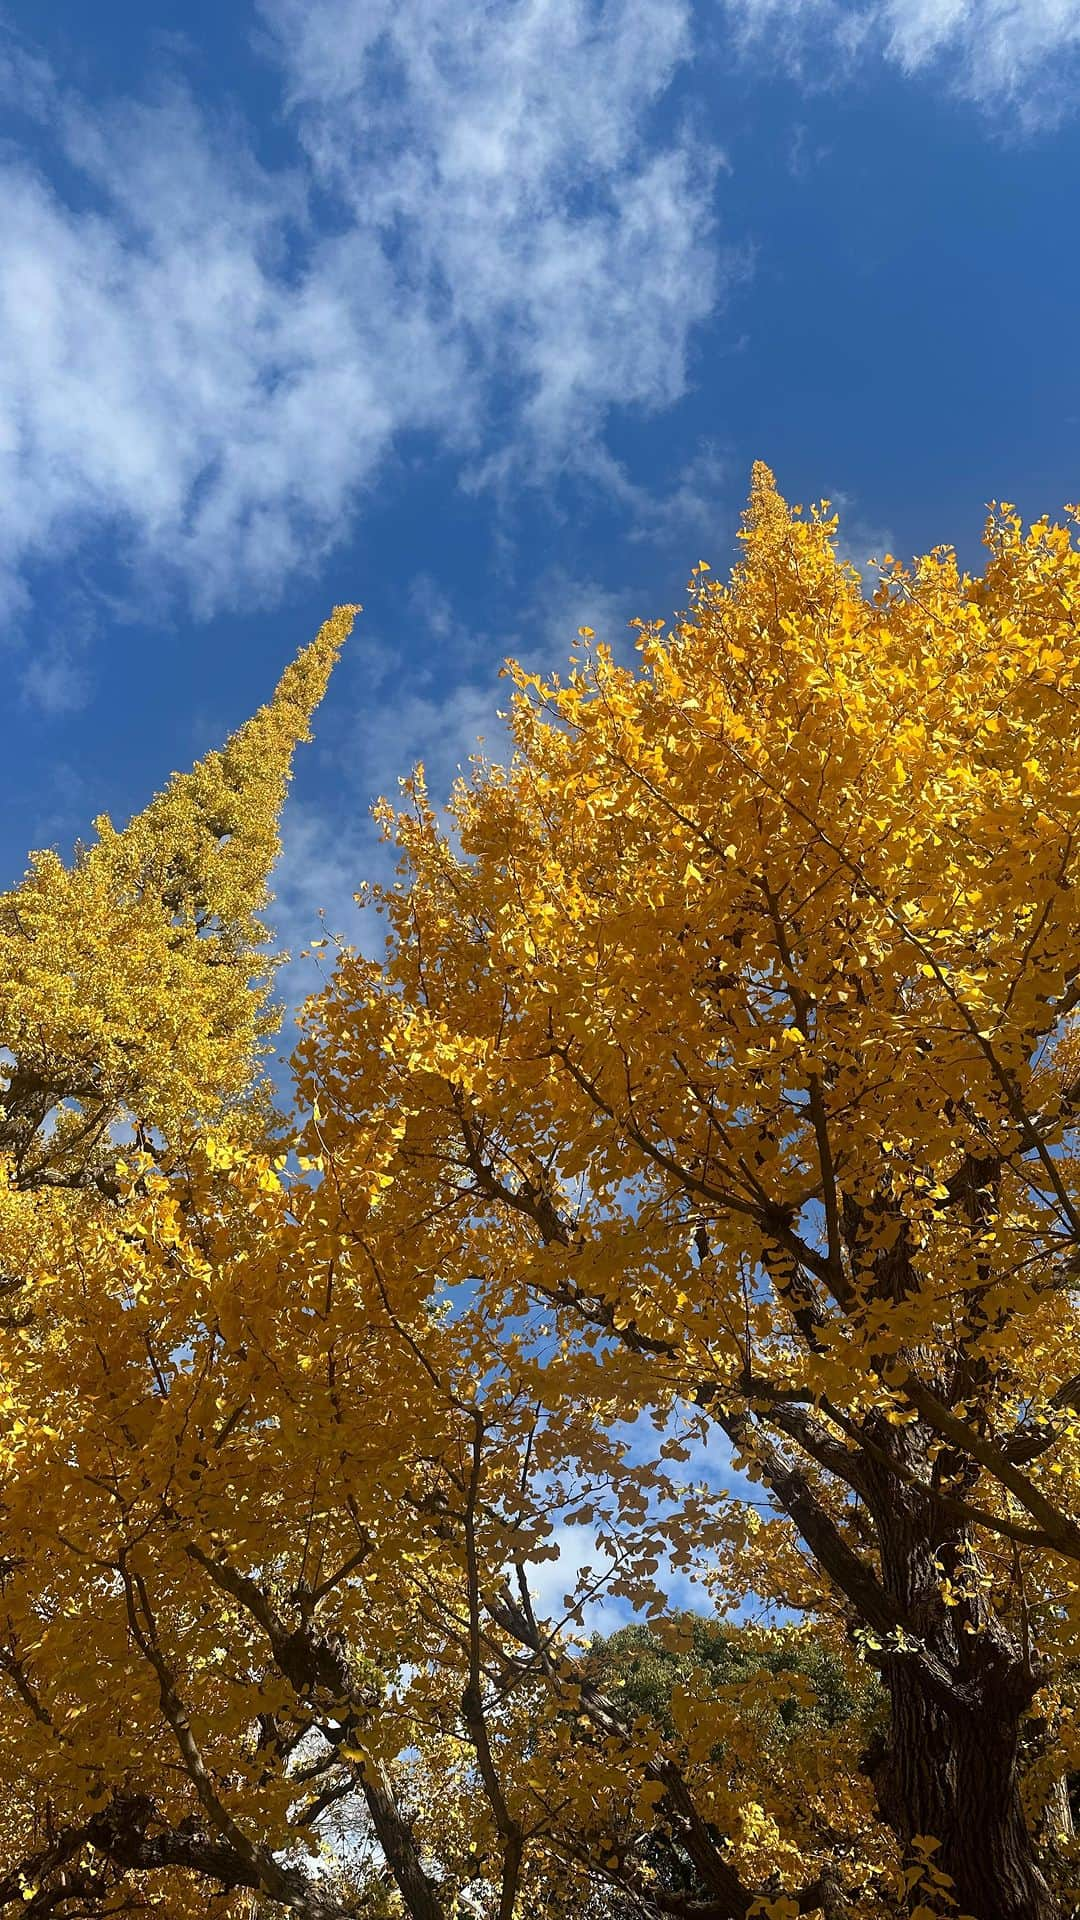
x,y
720,1084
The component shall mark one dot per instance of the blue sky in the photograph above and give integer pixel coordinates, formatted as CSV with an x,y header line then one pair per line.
x,y
479,314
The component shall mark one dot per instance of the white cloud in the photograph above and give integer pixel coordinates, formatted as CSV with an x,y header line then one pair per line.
x,y
694,510
505,152
54,680
571,1586
164,375
864,542
506,248
505,148
1008,49
1018,55
576,1581
323,862
491,229
411,712
564,603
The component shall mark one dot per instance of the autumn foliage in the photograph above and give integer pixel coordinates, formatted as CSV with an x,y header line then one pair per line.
x,y
697,1166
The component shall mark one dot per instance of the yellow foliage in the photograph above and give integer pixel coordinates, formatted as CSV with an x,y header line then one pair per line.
x,y
126,979
697,1169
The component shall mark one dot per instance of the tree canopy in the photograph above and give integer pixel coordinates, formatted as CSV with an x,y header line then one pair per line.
x,y
697,1166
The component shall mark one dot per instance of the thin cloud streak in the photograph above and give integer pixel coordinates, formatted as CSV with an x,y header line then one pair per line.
x,y
1013,58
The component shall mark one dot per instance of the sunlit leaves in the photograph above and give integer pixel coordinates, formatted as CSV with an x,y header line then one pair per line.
x,y
692,1185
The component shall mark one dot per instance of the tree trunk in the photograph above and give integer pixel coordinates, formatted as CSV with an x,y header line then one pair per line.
x,y
948,1768
1058,1823
952,1776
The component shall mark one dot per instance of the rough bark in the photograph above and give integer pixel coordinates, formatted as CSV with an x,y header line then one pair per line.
x,y
954,1776
949,1766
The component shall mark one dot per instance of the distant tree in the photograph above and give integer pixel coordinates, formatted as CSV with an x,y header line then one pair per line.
x,y
801,1700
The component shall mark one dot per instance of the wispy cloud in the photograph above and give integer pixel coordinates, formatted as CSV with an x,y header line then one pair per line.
x,y
170,373
864,542
211,361
433,699
511,152
1016,51
493,229
55,680
1020,56
695,506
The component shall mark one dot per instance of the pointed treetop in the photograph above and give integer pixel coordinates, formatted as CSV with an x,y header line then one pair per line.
x,y
767,516
787,557
132,985
210,839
